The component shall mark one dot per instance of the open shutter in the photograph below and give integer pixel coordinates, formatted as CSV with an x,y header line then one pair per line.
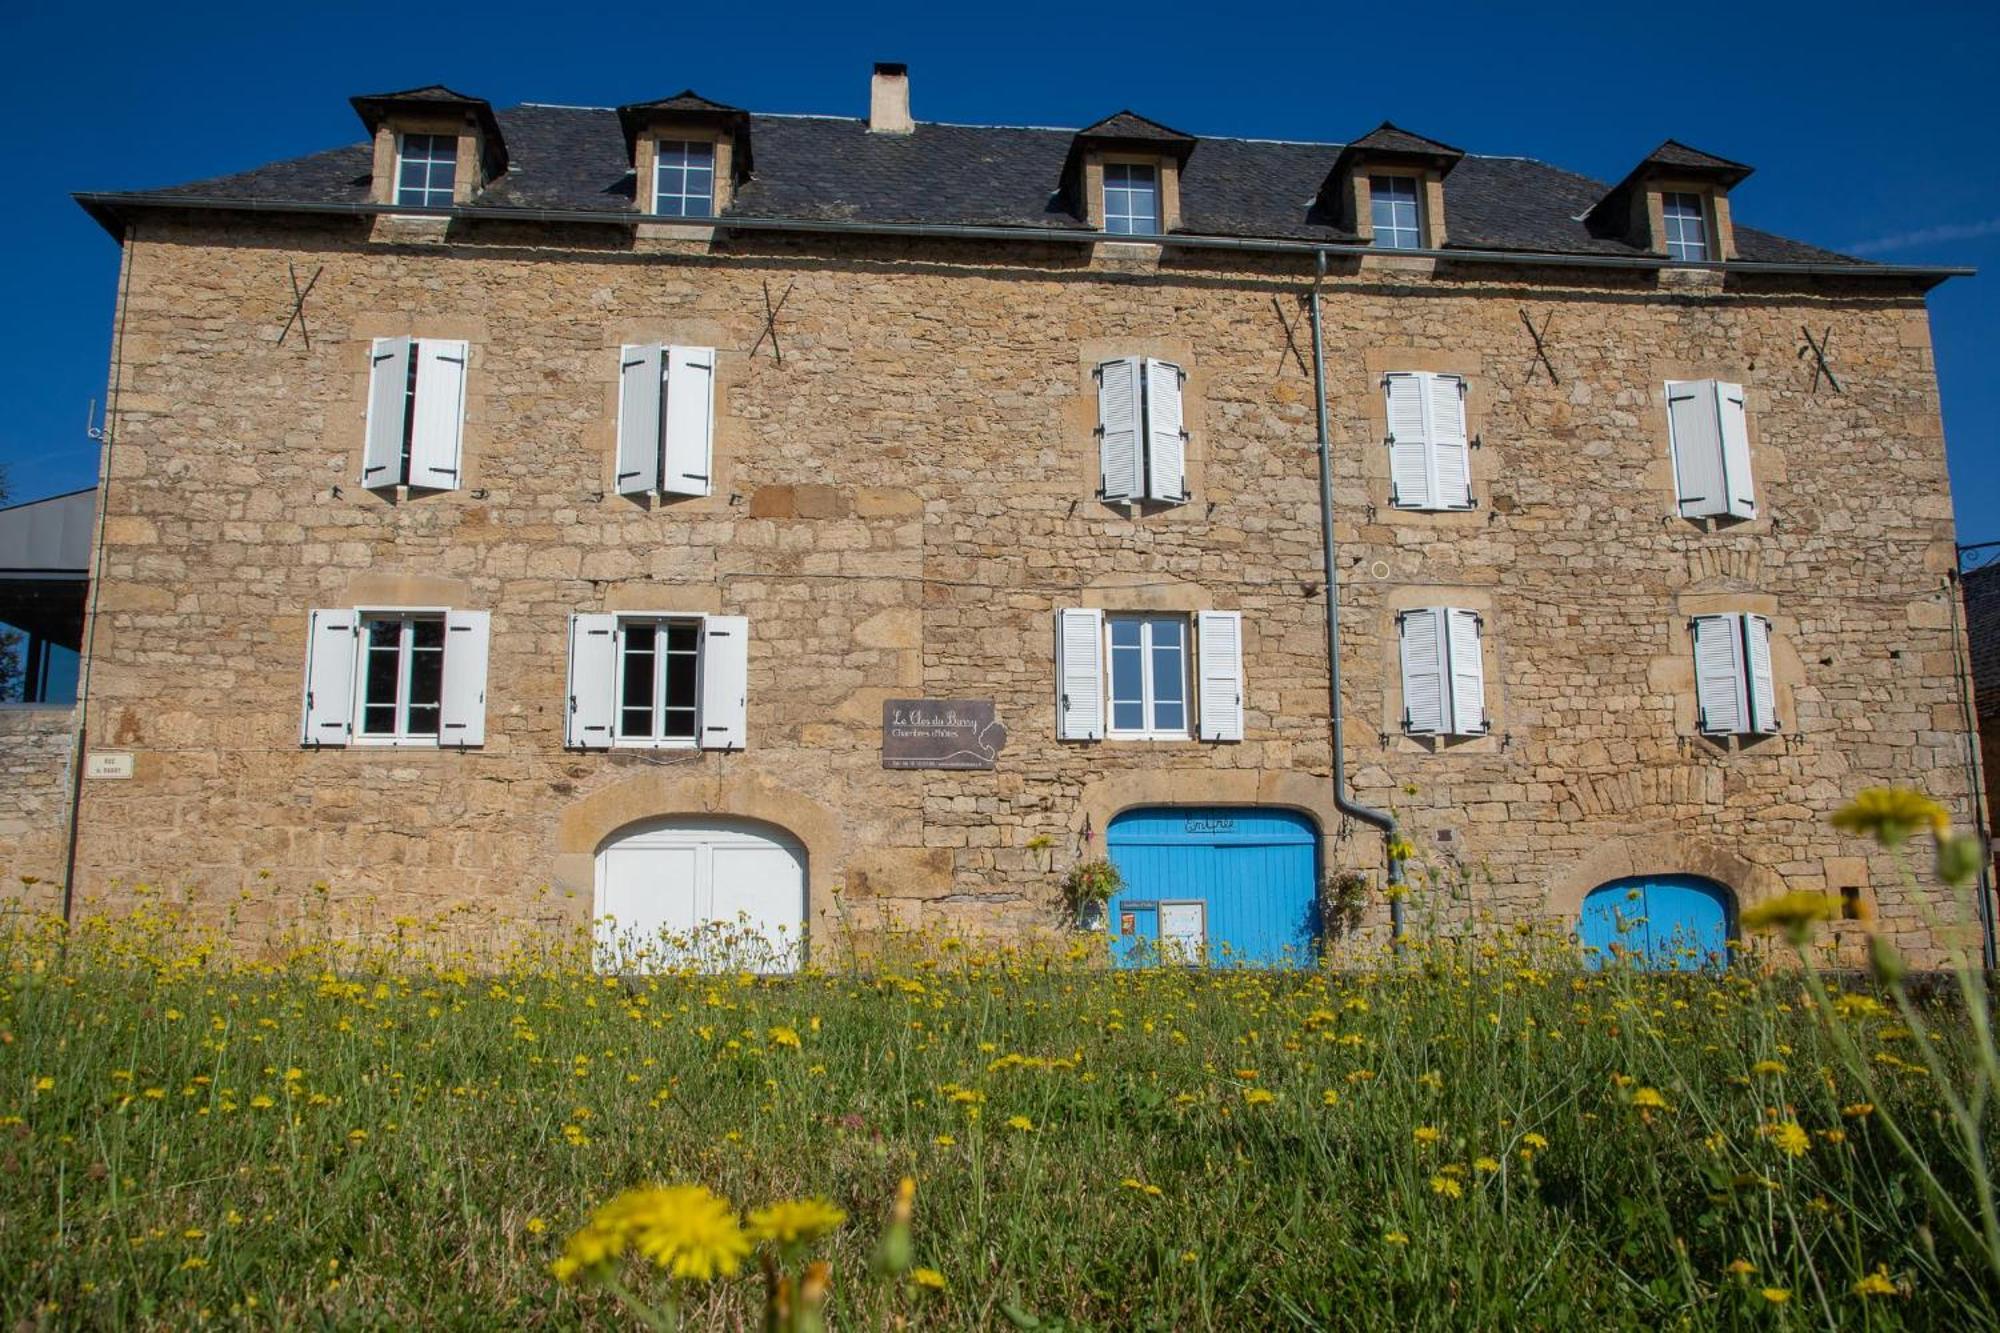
x,y
690,418
1740,494
1426,706
1763,686
462,718
440,414
1718,675
1451,447
1696,439
641,372
593,676
1409,447
1118,428
1080,674
1468,673
1219,642
1166,436
329,703
725,681
388,401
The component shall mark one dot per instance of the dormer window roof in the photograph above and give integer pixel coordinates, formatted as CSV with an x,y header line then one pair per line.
x,y
1130,132
1389,146
429,105
689,110
1123,174
1686,188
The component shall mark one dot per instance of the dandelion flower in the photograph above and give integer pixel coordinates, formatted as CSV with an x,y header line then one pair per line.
x,y
1426,1135
795,1221
928,1278
1485,1164
783,1037
1789,1138
1768,1067
945,1141
536,1226
1891,814
685,1229
45,1084
1534,1141
1858,1110
1396,1238
1740,1268
1650,1099
1259,1096
1876,1283
1021,1123
1447,1187
1329,1098
1777,1295
261,1103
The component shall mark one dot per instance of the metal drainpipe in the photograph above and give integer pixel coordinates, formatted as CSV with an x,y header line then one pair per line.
x,y
1367,814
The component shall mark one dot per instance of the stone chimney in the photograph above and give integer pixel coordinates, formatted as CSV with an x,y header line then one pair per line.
x,y
889,99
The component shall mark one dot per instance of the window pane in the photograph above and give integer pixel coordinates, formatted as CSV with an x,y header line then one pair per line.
x,y
635,711
426,676
379,676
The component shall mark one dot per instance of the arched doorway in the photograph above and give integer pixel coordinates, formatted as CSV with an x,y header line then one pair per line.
x,y
704,891
1217,885
1663,923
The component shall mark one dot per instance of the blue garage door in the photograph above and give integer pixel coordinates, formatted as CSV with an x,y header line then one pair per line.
x,y
1662,922
1216,886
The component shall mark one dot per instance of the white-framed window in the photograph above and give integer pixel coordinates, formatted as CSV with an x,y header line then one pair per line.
x,y
395,676
666,419
684,178
1131,199
1444,672
1708,432
1686,218
1395,212
426,169
1735,690
1430,453
1141,430
1149,676
416,413
657,679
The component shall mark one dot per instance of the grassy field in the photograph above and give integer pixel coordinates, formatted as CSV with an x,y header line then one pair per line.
x,y
1484,1136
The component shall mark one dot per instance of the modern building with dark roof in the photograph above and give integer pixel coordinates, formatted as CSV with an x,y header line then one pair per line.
x,y
852,524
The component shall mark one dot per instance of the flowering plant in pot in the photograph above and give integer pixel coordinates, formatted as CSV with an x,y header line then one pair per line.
x,y
1088,886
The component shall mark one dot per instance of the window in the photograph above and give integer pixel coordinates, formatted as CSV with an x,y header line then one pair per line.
x,y
391,676
426,169
1392,206
1141,439
1144,666
416,413
35,669
1444,672
684,178
1430,455
1708,433
1687,226
1735,690
1131,199
666,419
657,679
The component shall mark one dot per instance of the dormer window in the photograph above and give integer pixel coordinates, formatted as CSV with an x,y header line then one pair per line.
x,y
1395,212
1131,199
426,169
684,178
1686,226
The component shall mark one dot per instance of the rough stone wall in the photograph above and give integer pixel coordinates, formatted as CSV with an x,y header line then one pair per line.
x,y
905,499
34,799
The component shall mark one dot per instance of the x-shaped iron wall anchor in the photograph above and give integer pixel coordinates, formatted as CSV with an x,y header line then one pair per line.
x,y
1291,343
1541,356
298,315
771,313
1818,350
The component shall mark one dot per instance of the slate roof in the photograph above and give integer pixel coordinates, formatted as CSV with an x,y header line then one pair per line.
x,y
1388,138
1674,153
1132,125
571,159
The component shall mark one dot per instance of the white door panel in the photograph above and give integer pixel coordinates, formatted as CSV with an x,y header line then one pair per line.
x,y
722,895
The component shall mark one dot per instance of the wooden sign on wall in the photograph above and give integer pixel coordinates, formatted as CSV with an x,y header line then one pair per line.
x,y
940,733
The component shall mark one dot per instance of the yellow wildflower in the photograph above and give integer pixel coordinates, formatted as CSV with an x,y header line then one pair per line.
x,y
1485,1164
795,1221
1876,1283
945,1141
1396,1238
1892,814
1768,1067
1259,1096
1858,1110
1447,1187
1425,1135
683,1228
536,1226
1740,1268
1789,1138
928,1278
1650,1099
783,1037
1020,1122
1329,1098
1534,1141
1794,913
1777,1295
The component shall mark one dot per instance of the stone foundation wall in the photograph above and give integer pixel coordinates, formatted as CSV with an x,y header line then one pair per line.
x,y
34,798
904,500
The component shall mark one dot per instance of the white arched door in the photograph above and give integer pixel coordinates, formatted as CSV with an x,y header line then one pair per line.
x,y
710,892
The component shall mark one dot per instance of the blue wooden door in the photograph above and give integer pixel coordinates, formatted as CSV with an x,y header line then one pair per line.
x,y
1254,872
1661,922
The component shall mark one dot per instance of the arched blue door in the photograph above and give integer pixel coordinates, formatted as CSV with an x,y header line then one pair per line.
x,y
1661,922
1214,885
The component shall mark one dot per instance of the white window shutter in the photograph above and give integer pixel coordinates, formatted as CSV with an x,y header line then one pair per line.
x,y
440,414
1118,449
593,676
388,401
1739,492
329,703
1219,642
1409,446
1080,674
725,681
462,716
1468,673
1166,434
641,373
1426,704
1763,684
1718,675
1696,439
1451,447
690,420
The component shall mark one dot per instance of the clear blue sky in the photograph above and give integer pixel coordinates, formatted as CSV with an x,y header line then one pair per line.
x,y
1872,130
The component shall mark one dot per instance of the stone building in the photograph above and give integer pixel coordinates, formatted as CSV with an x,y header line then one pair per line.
x,y
551,510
